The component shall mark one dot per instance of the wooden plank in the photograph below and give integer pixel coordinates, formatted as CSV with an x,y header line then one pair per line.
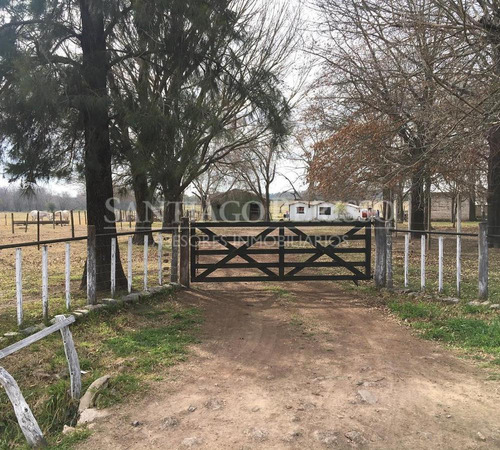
x,y
38,228
407,260
281,263
304,265
91,266
72,358
174,264
459,265
113,267
277,278
25,417
423,247
380,254
12,221
19,286
129,264
72,223
35,337
347,224
67,276
287,251
184,253
45,282
146,253
483,261
160,259
389,271
441,264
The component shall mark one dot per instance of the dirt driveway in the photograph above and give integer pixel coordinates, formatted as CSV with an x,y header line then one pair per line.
x,y
310,367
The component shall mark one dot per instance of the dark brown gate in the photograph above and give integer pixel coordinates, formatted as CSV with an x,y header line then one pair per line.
x,y
282,251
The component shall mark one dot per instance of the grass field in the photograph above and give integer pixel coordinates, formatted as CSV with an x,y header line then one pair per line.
x,y
32,277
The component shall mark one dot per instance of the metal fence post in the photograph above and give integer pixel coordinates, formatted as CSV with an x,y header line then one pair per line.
x,y
184,252
483,261
380,254
91,266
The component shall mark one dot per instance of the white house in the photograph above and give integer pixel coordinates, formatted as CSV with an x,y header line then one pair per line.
x,y
323,211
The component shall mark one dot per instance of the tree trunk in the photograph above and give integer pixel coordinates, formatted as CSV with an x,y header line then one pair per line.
x,y
267,206
417,204
143,198
472,207
494,188
204,207
97,153
172,210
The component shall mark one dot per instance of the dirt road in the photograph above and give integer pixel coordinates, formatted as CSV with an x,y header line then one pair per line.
x,y
310,367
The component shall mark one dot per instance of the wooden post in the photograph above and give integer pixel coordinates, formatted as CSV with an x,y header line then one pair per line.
x,y
146,251
45,282
68,275
19,286
91,266
85,215
423,246
72,357
27,220
25,417
483,261
160,259
113,267
72,224
174,263
79,218
129,264
407,260
184,252
38,228
380,254
441,262
390,281
459,245
54,220
12,220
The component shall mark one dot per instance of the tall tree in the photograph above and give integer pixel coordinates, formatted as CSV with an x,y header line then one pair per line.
x,y
65,49
213,85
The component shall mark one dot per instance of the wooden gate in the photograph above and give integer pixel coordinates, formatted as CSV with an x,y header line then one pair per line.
x,y
281,251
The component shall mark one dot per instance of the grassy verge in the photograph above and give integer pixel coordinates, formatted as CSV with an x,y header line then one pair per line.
x,y
132,343
474,329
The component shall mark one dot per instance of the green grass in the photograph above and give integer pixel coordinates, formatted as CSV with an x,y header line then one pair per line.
x,y
279,292
475,329
420,310
132,343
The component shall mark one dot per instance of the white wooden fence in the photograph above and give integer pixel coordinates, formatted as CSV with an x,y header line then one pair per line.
x,y
25,417
384,257
92,288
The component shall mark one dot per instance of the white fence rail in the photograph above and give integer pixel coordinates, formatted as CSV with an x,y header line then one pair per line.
x,y
152,271
384,271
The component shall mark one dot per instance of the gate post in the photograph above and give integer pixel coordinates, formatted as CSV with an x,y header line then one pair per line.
x,y
389,274
380,254
184,252
483,261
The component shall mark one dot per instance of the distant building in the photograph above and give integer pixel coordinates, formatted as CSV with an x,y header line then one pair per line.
x,y
323,211
236,205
